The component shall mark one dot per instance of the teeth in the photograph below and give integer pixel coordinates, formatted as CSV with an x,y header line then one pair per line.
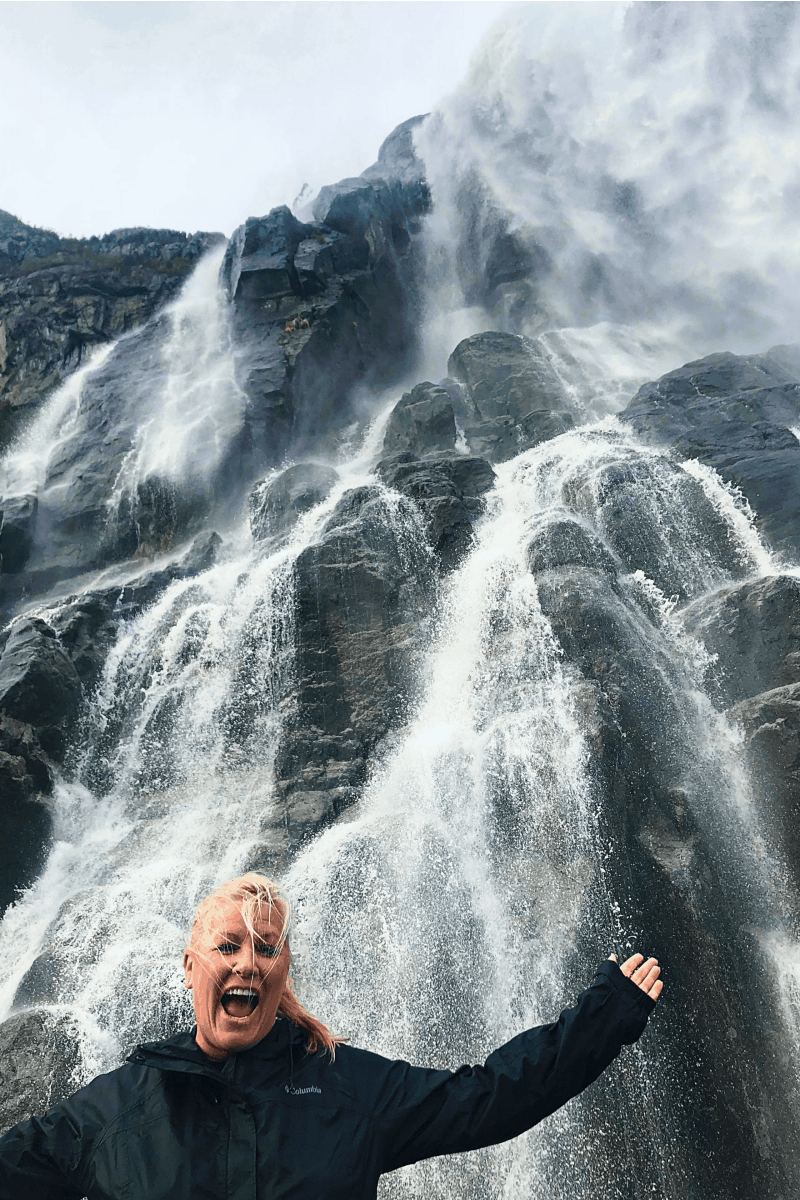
x,y
240,992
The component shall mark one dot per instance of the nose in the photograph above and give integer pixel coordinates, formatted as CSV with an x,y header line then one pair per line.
x,y
244,960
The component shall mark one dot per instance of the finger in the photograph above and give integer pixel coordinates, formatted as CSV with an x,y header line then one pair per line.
x,y
630,964
638,977
612,958
656,990
641,972
649,979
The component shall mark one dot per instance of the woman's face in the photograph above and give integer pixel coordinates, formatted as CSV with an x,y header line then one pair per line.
x,y
236,980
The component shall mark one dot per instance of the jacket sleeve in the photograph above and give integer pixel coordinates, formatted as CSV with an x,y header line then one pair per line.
x,y
41,1159
426,1112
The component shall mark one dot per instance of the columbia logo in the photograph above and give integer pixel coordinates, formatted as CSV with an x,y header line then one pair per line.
x,y
293,1091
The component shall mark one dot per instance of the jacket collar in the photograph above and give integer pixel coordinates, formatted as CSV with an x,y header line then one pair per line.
x,y
182,1053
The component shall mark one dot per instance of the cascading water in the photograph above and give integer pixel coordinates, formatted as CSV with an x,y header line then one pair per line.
x,y
621,180
129,455
171,790
479,883
24,469
199,407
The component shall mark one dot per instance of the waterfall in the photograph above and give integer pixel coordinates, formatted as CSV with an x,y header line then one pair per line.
x,y
474,890
620,178
199,407
129,455
24,467
170,793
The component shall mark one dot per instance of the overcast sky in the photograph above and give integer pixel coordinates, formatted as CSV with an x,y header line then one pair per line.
x,y
196,115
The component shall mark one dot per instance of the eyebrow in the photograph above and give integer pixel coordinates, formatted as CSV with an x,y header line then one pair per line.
x,y
234,938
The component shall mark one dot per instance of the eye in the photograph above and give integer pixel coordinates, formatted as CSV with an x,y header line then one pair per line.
x,y
227,948
269,951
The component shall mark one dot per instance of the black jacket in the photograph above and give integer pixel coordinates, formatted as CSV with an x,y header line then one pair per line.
x,y
276,1123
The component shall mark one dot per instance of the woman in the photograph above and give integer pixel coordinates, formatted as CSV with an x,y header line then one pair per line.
x,y
261,1101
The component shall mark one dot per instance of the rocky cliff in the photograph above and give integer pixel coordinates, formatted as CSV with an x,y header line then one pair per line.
x,y
318,311
61,296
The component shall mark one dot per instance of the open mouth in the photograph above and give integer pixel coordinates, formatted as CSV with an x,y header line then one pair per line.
x,y
240,1002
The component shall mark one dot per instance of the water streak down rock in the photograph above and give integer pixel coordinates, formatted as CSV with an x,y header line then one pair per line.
x,y
61,296
735,413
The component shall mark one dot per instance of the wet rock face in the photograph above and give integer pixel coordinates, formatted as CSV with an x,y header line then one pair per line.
x,y
568,542
25,812
736,414
46,671
40,694
449,493
770,723
655,787
363,595
325,306
649,511
276,504
515,396
60,296
753,632
40,1037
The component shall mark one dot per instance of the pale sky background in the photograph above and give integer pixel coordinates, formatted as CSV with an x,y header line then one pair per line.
x,y
195,115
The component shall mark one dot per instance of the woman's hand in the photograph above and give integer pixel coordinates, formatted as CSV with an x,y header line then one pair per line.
x,y
643,974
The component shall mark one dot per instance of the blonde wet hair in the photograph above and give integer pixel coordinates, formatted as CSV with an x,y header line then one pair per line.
x,y
257,899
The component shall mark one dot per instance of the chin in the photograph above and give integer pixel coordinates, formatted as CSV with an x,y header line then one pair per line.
x,y
235,1037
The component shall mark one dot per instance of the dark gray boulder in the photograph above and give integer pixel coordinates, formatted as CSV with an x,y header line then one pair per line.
x,y
422,422
51,1042
362,597
38,683
259,263
566,542
650,511
506,374
752,631
516,397
734,412
351,205
449,492
502,438
276,503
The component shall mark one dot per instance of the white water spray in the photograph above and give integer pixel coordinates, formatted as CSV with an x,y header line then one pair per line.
x,y
23,469
200,407
625,174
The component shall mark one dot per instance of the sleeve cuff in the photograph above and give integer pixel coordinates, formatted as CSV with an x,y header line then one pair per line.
x,y
629,991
